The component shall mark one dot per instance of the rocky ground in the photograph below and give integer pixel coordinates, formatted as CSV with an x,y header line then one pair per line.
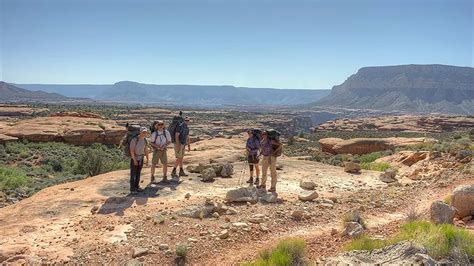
x,y
96,221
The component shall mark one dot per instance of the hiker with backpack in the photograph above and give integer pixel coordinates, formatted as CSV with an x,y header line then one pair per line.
x,y
180,136
271,148
253,148
138,151
160,139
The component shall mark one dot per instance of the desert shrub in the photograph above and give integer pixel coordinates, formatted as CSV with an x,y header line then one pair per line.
x,y
354,216
287,252
90,162
11,178
439,240
291,140
412,214
375,166
368,158
181,251
448,199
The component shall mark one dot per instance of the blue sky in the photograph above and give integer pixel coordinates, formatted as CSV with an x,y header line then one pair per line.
x,y
254,43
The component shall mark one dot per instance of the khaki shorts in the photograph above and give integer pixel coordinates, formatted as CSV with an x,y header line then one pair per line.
x,y
179,153
159,156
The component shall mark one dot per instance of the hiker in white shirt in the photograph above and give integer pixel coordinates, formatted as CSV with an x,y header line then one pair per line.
x,y
160,139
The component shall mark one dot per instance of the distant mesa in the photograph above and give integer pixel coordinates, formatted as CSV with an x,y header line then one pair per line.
x,y
412,88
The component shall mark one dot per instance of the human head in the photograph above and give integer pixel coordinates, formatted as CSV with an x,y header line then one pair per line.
x,y
187,120
159,124
143,132
264,134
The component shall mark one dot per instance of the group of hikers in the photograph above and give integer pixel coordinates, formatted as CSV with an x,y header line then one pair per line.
x,y
265,144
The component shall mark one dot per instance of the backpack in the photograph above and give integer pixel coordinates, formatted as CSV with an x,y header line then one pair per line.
x,y
257,133
273,134
178,121
157,135
132,132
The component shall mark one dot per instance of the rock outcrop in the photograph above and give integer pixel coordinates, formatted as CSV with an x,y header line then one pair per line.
x,y
403,123
73,130
368,145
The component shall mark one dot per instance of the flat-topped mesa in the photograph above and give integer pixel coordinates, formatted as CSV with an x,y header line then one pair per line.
x,y
68,129
368,145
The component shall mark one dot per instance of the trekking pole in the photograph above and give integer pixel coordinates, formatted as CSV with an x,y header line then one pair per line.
x,y
244,168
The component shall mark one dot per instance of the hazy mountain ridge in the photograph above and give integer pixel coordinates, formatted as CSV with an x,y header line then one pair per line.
x,y
416,88
11,93
203,95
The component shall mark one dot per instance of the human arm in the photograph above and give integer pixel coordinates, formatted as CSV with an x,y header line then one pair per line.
x,y
132,151
147,154
188,142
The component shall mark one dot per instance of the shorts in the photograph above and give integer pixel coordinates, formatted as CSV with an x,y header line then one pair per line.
x,y
159,155
253,159
179,153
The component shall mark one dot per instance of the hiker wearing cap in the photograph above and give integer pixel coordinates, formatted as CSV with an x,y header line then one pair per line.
x,y
138,151
181,141
253,148
270,149
160,139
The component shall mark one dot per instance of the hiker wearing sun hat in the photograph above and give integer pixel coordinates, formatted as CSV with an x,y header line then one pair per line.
x,y
160,139
138,151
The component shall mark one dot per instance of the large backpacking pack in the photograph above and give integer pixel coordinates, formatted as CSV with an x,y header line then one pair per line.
x,y
273,134
257,134
177,122
132,132
153,126
278,147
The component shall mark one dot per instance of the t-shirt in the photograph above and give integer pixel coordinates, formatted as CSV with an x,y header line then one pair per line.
x,y
161,138
253,145
183,131
138,145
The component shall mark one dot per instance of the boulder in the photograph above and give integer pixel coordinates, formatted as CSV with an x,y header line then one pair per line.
x,y
269,197
243,194
441,213
414,158
308,197
351,167
257,218
464,156
368,145
307,184
297,215
353,229
224,234
463,200
388,176
227,170
208,175
138,252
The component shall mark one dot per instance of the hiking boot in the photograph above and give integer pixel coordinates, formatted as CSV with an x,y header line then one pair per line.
x,y
262,187
250,181
173,174
140,190
257,181
182,173
152,179
272,189
165,179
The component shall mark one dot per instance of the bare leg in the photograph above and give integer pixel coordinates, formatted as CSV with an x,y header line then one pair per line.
x,y
165,169
153,166
257,169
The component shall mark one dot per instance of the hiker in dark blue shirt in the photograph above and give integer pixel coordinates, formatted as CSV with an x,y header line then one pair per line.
x,y
253,149
181,141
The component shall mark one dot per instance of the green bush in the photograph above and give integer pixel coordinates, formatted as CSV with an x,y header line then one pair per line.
x,y
90,162
375,166
439,240
11,178
287,252
181,251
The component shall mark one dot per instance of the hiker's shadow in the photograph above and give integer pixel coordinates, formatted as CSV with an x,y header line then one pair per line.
x,y
118,205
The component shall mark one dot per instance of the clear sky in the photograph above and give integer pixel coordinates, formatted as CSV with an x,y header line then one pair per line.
x,y
254,43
